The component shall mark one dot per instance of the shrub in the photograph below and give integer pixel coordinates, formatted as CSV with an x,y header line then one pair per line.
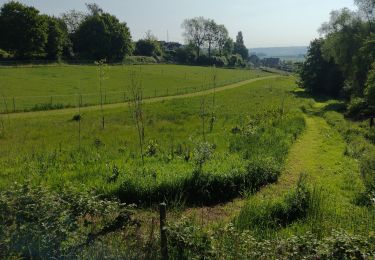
x,y
190,242
38,223
151,148
139,60
4,54
356,107
219,61
47,106
236,60
202,153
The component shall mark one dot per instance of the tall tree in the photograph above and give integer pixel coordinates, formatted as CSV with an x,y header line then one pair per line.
x,y
73,20
319,76
240,48
345,34
57,37
195,32
23,31
367,11
211,34
102,36
221,38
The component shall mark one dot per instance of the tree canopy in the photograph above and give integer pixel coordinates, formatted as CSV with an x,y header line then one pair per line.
x,y
240,48
23,31
102,36
342,61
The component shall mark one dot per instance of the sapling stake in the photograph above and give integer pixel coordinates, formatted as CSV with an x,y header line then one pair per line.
x,y
101,64
203,115
213,118
136,107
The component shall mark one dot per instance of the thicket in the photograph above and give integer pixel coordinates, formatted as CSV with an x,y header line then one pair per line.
x,y
36,222
341,63
189,241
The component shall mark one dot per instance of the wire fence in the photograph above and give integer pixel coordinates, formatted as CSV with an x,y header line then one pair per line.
x,y
15,104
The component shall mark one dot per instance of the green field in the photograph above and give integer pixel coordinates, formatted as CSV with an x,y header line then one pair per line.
x,y
248,142
45,87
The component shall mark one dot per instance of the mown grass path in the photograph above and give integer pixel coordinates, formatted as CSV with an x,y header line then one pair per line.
x,y
146,101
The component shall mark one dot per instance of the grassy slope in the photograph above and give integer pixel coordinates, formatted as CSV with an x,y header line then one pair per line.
x,y
36,85
320,153
45,148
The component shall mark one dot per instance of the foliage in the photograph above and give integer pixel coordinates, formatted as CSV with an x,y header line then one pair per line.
x,y
202,153
22,29
191,242
370,88
356,106
195,32
38,223
201,32
4,54
319,76
188,241
148,47
57,38
102,36
240,48
219,61
235,60
139,60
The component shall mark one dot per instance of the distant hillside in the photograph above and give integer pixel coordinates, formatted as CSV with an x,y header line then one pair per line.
x,y
298,51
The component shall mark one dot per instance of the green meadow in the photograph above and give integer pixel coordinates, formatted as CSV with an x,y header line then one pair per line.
x,y
260,161
58,86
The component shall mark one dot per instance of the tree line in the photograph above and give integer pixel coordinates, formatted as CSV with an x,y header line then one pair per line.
x,y
97,35
342,62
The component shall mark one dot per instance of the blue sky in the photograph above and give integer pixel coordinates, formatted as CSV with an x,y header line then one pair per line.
x,y
264,23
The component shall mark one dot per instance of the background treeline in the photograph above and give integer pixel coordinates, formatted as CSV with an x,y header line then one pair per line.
x,y
342,62
94,35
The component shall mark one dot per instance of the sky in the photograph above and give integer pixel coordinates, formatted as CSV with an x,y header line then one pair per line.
x,y
264,23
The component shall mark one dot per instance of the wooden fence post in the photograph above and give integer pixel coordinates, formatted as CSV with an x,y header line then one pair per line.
x,y
163,233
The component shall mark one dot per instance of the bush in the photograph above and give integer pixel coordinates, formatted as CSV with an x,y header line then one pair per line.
x,y
219,61
356,107
236,60
4,54
188,241
38,223
139,60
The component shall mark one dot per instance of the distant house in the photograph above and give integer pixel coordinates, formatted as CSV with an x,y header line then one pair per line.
x,y
271,62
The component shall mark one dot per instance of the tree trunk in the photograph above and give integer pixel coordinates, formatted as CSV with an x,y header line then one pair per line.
x,y
209,51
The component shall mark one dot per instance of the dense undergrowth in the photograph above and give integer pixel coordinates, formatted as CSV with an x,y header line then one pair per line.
x,y
189,241
39,223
